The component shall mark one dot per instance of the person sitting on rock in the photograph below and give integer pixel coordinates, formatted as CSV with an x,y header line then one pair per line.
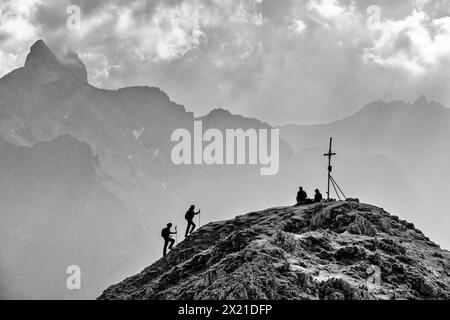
x,y
168,241
189,216
301,196
317,196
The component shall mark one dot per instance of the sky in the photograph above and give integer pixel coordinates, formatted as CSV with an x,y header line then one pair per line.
x,y
282,61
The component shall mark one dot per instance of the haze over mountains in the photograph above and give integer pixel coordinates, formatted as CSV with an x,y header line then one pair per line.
x,y
87,179
59,209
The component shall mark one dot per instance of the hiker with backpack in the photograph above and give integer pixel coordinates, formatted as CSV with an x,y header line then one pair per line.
x,y
189,216
168,241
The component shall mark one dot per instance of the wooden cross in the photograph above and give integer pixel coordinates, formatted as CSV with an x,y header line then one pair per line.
x,y
329,155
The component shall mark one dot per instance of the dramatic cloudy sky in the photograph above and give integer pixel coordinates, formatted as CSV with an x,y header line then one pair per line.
x,y
279,60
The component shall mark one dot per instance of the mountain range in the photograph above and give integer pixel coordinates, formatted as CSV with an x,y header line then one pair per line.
x,y
87,177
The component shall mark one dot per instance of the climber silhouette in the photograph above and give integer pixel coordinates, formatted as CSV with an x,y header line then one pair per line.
x,y
317,196
165,233
301,195
189,216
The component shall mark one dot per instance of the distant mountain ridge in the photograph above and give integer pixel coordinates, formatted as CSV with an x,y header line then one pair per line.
x,y
57,210
128,130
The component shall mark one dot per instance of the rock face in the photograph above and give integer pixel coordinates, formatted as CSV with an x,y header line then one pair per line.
x,y
40,55
336,250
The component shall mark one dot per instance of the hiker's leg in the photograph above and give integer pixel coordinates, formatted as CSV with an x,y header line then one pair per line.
x,y
171,243
193,226
165,247
187,229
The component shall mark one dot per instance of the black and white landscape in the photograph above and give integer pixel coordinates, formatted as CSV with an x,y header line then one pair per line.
x,y
87,179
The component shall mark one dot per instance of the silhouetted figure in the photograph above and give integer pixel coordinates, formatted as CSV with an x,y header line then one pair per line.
x,y
168,241
301,196
189,216
317,196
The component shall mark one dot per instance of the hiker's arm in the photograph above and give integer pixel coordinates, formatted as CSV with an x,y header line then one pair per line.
x,y
198,212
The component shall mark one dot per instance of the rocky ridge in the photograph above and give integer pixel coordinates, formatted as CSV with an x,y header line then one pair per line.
x,y
320,251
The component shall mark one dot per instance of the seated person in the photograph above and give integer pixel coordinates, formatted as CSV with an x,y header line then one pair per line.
x,y
301,196
317,196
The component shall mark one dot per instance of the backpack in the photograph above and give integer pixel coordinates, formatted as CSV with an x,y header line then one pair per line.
x,y
165,233
189,215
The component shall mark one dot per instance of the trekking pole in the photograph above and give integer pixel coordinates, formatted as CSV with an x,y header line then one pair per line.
x,y
199,224
176,235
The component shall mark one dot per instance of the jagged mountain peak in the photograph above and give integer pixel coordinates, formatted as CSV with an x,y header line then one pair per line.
x,y
72,61
221,117
421,100
318,251
144,90
378,109
219,114
40,54
42,58
219,111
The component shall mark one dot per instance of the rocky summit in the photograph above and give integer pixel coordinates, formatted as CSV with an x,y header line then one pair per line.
x,y
331,250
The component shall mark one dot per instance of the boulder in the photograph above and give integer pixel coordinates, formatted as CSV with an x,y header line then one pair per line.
x,y
362,226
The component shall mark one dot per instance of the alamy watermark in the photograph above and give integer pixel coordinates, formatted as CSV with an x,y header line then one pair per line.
x,y
74,19
73,281
374,19
232,147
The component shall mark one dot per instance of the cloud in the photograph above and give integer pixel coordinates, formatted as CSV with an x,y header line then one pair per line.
x,y
311,60
415,44
334,15
327,8
173,31
298,26
15,20
17,32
